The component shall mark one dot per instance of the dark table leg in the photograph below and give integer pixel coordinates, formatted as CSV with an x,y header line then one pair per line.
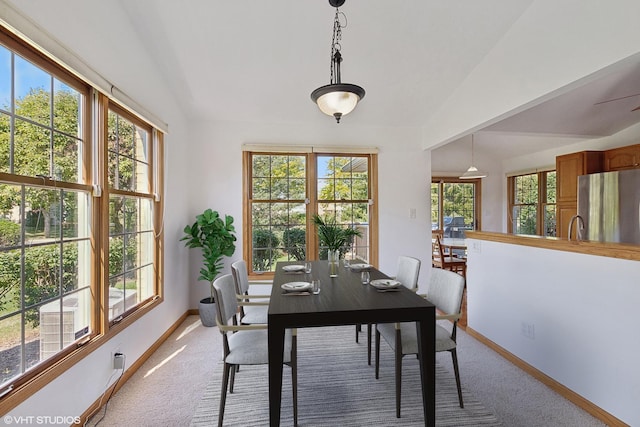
x,y
426,349
276,349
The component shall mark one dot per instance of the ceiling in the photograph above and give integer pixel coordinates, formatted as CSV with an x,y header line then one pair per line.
x,y
259,61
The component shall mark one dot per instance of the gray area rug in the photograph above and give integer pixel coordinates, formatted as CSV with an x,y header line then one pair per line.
x,y
336,387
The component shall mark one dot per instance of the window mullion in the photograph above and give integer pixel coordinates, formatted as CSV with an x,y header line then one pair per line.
x,y
312,205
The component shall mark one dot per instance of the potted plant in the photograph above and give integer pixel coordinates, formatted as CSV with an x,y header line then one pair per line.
x,y
216,237
335,238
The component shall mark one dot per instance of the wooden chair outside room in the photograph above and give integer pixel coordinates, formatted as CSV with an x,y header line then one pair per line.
x,y
441,259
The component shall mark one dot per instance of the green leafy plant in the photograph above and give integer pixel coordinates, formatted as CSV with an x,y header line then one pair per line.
x,y
216,237
333,236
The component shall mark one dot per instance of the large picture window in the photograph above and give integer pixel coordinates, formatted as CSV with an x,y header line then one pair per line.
x,y
284,190
75,185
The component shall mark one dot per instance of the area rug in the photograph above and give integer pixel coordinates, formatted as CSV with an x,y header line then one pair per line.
x,y
336,387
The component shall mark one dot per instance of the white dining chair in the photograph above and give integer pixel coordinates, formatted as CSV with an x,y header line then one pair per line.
x,y
407,273
247,344
445,291
253,307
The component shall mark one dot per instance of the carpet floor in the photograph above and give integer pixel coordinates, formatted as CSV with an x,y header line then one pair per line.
x,y
336,387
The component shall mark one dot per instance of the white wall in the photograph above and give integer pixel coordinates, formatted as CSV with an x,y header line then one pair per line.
x,y
551,46
403,179
73,392
583,311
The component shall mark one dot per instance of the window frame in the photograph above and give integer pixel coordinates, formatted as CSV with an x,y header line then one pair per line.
x,y
477,206
311,156
541,200
91,179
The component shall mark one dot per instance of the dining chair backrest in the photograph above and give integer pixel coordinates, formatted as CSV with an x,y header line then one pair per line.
x,y
438,251
225,294
408,271
241,277
445,290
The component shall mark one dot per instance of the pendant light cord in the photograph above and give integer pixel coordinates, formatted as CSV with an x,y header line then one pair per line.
x,y
335,44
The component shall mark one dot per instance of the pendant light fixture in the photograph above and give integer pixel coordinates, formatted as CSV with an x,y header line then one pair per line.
x,y
472,172
337,99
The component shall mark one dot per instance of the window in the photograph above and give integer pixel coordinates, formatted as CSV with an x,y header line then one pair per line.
x,y
131,231
52,233
532,208
455,206
284,190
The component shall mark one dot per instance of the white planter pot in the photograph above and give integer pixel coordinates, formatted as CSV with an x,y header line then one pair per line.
x,y
207,310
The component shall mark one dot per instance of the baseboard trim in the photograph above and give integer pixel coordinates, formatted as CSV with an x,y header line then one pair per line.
x,y
97,405
561,389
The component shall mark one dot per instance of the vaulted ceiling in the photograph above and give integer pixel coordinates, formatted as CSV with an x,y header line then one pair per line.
x,y
258,61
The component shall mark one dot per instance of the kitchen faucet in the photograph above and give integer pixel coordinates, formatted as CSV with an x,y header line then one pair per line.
x,y
580,226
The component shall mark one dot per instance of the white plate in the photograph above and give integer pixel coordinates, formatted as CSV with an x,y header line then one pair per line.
x,y
358,267
385,283
293,267
296,286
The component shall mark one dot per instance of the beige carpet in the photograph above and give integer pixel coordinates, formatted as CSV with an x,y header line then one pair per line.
x,y
169,386
337,388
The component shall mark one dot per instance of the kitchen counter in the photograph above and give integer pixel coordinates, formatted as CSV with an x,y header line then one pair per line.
x,y
611,250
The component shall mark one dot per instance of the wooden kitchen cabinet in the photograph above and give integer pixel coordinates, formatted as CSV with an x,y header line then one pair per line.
x,y
568,168
622,158
564,212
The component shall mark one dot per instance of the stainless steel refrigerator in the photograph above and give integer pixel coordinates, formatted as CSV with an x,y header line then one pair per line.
x,y
609,204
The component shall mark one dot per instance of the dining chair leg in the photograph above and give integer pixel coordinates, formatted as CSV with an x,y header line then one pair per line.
x,y
294,377
358,329
377,354
398,372
223,392
233,378
456,371
369,343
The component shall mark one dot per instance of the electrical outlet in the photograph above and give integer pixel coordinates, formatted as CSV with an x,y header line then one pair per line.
x,y
113,353
528,330
118,361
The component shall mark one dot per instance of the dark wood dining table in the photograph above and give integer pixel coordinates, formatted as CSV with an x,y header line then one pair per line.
x,y
344,300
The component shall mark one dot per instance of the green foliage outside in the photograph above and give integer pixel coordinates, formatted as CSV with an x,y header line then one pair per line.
x,y
294,240
32,151
9,233
279,209
49,213
526,200
265,249
42,268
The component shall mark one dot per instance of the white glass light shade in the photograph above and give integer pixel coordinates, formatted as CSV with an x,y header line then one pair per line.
x,y
473,173
338,102
337,99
